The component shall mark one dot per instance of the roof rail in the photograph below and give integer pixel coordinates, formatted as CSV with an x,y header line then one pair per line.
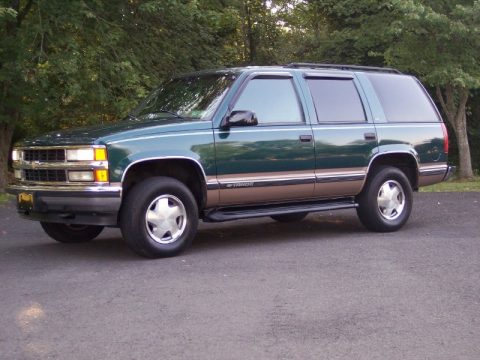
x,y
342,67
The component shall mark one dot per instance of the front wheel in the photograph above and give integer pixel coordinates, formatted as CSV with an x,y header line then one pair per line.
x,y
159,217
71,233
386,201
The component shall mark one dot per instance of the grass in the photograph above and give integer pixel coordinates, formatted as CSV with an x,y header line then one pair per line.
x,y
455,185
4,198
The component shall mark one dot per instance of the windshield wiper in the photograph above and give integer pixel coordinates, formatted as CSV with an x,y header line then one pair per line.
x,y
132,117
168,112
142,116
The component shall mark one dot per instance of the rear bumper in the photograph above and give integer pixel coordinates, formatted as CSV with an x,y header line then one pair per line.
x,y
449,173
89,205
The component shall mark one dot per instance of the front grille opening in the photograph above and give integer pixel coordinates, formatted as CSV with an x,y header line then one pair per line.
x,y
44,155
45,175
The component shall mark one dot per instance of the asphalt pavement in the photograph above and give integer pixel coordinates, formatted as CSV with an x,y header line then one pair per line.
x,y
322,288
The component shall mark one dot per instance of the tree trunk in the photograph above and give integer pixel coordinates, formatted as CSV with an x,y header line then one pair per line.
x,y
250,36
6,133
461,133
454,104
12,112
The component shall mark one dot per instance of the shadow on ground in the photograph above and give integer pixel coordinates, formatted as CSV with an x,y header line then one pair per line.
x,y
220,236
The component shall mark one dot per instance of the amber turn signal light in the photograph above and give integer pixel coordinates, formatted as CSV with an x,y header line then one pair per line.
x,y
101,175
100,154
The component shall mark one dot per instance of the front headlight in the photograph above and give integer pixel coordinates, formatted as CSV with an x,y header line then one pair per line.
x,y
86,154
15,155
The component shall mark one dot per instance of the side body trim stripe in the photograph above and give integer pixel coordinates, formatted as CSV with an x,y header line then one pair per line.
x,y
249,182
339,178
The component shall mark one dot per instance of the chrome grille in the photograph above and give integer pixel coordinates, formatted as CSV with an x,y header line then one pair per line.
x,y
47,155
45,175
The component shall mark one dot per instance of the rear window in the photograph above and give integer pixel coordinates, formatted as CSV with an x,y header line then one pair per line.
x,y
336,100
403,99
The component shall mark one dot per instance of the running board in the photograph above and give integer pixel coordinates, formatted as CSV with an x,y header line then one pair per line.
x,y
246,212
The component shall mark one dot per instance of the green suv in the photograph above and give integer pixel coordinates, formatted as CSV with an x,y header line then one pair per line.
x,y
238,143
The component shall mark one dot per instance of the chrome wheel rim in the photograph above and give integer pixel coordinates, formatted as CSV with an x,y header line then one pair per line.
x,y
166,219
391,200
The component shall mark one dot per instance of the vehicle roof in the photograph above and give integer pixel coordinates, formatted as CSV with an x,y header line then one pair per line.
x,y
301,67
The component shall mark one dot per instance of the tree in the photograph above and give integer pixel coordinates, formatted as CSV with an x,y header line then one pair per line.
x,y
437,40
440,41
72,63
11,79
256,32
349,31
60,65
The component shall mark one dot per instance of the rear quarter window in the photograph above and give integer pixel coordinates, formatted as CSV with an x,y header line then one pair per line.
x,y
403,99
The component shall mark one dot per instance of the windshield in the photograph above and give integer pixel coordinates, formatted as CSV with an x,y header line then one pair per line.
x,y
195,97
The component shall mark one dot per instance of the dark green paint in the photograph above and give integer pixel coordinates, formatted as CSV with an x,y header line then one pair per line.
x,y
187,140
425,141
278,149
245,150
102,134
343,148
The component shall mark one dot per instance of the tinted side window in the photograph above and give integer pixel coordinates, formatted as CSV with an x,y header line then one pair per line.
x,y
272,100
402,98
336,100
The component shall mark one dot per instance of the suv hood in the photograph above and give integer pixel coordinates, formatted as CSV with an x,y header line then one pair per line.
x,y
103,134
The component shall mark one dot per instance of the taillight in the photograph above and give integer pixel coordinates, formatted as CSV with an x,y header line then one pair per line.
x,y
445,138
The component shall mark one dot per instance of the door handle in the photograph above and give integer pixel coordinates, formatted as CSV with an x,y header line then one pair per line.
x,y
306,138
370,136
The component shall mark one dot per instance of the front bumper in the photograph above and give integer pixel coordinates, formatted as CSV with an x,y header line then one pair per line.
x,y
88,205
449,173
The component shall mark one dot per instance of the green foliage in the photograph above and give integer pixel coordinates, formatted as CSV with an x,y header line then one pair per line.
x,y
440,41
66,69
348,31
7,14
82,62
4,198
70,63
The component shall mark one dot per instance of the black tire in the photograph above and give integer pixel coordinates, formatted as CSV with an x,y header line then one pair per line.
x,y
386,201
286,218
66,233
146,199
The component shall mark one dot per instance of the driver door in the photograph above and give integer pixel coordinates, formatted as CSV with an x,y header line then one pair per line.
x,y
274,160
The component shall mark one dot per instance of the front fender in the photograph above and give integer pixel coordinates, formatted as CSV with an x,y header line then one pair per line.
x,y
198,147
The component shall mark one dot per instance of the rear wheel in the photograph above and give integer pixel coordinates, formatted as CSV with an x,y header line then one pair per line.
x,y
386,201
72,233
159,217
286,218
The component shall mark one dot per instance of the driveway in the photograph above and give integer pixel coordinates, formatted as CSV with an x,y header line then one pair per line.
x,y
323,288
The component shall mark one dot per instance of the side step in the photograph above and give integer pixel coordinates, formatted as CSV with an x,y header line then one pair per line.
x,y
245,212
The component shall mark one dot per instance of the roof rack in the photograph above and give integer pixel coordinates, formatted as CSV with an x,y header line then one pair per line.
x,y
342,67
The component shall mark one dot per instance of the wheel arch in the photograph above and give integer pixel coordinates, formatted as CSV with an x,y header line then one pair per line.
x,y
186,170
403,160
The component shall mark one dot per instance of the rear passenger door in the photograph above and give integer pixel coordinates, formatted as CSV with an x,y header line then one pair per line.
x,y
274,160
345,136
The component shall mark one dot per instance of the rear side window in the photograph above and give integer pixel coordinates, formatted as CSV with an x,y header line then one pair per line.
x,y
336,100
402,98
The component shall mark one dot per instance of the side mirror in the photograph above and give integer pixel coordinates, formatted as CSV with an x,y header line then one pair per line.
x,y
241,118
